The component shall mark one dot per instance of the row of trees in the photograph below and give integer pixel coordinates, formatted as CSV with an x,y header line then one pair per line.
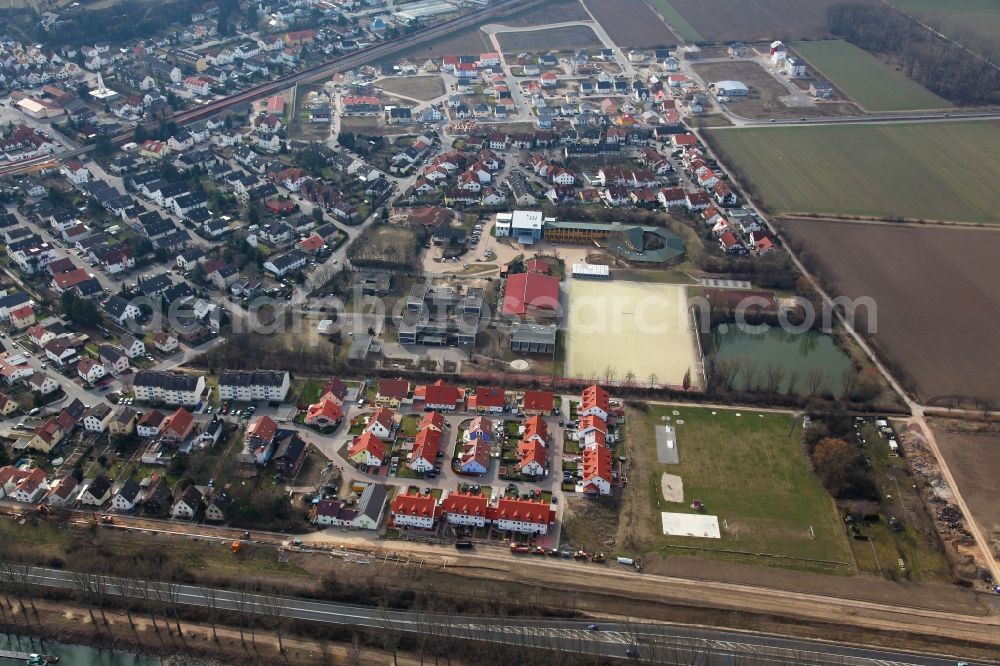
x,y
745,374
961,70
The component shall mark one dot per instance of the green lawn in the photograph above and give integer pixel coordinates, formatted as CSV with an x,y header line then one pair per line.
x,y
870,82
751,471
408,425
684,30
308,391
930,171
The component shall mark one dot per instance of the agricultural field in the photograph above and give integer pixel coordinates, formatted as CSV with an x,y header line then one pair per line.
x,y
750,471
870,82
974,460
961,19
934,291
631,23
554,11
749,20
423,88
675,20
463,42
922,171
554,39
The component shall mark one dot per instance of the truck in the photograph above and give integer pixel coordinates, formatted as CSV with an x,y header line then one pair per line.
x,y
463,545
519,548
625,560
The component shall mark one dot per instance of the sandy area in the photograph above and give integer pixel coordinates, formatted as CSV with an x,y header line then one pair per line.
x,y
673,487
629,327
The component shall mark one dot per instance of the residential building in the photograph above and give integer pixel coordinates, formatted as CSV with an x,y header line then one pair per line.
x,y
251,385
414,510
168,387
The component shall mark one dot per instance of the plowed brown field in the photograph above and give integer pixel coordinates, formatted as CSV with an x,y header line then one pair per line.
x,y
631,23
938,308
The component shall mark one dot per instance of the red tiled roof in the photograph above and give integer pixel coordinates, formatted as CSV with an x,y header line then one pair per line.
x,y
597,463
327,409
370,443
490,397
465,504
536,425
537,266
431,420
414,505
528,511
179,423
440,393
312,243
537,400
426,445
530,290
530,452
263,428
383,416
22,312
66,280
593,421
594,396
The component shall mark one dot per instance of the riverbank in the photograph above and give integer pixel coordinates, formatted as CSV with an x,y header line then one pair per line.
x,y
194,645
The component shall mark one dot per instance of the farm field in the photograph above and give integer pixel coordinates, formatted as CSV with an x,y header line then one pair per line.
x,y
873,84
974,460
615,325
555,39
684,30
750,470
631,23
958,18
728,20
934,289
925,171
555,11
423,88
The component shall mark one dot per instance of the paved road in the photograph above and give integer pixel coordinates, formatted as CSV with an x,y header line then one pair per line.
x,y
651,642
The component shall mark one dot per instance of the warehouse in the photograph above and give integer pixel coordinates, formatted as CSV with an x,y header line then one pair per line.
x,y
40,109
730,89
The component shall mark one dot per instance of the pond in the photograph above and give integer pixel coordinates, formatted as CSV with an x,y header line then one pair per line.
x,y
72,655
813,356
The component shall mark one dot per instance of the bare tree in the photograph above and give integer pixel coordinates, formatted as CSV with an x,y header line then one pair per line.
x,y
653,379
793,381
276,608
751,376
212,602
774,374
849,383
814,381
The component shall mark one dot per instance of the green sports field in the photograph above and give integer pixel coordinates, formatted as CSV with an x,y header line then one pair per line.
x,y
932,171
873,84
751,471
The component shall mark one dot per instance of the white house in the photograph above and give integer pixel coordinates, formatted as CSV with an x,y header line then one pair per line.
x,y
96,493
250,385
